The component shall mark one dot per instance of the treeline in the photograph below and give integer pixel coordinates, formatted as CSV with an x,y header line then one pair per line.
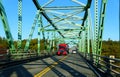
x,y
109,47
33,44
3,43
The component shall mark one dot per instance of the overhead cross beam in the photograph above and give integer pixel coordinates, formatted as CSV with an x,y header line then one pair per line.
x,y
86,13
3,17
45,15
60,29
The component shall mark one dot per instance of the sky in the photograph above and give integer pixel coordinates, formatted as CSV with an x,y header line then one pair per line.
x,y
111,24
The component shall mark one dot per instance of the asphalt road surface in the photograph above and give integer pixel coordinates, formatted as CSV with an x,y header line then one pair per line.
x,y
71,65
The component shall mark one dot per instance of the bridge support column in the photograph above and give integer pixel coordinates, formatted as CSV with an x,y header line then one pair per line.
x,y
39,27
32,31
6,28
19,24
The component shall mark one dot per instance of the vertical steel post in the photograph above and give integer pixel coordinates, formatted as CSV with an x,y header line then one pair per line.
x,y
91,33
83,41
43,34
48,43
88,35
91,36
101,24
19,24
54,41
79,44
32,31
9,37
48,49
51,43
96,27
39,27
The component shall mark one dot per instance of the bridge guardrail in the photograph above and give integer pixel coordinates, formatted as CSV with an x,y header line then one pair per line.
x,y
6,56
109,66
3,55
19,57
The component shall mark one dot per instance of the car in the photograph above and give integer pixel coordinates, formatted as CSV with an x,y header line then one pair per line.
x,y
74,51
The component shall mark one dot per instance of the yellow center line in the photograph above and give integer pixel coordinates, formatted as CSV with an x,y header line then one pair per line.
x,y
44,71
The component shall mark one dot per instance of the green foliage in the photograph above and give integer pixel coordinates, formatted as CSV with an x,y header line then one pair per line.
x,y
108,47
111,48
3,43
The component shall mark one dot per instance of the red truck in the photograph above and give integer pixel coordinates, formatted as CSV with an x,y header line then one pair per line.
x,y
63,49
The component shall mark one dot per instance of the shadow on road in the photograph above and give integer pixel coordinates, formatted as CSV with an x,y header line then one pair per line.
x,y
17,71
72,71
78,65
58,73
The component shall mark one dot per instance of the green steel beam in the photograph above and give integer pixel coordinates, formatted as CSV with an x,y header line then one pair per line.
x,y
66,21
74,17
45,15
96,26
48,42
6,27
88,35
90,31
19,23
52,30
101,24
32,31
43,34
39,27
86,13
47,3
80,3
64,8
85,32
62,19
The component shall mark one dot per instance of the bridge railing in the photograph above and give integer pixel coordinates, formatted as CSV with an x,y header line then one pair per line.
x,y
22,54
14,57
7,55
108,66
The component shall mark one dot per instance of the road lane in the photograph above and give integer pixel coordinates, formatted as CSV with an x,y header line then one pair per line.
x,y
71,65
44,71
28,69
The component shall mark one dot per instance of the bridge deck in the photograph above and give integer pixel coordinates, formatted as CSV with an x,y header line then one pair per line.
x,y
71,65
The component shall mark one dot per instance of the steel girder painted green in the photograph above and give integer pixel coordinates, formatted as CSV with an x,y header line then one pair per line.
x,y
99,28
32,31
91,46
19,24
95,27
6,27
45,15
101,25
39,27
85,35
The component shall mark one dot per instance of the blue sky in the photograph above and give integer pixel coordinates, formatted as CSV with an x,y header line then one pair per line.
x,y
111,25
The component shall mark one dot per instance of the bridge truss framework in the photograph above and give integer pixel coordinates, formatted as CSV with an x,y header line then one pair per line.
x,y
64,24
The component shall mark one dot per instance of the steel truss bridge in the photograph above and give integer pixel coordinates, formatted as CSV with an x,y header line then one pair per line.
x,y
71,24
